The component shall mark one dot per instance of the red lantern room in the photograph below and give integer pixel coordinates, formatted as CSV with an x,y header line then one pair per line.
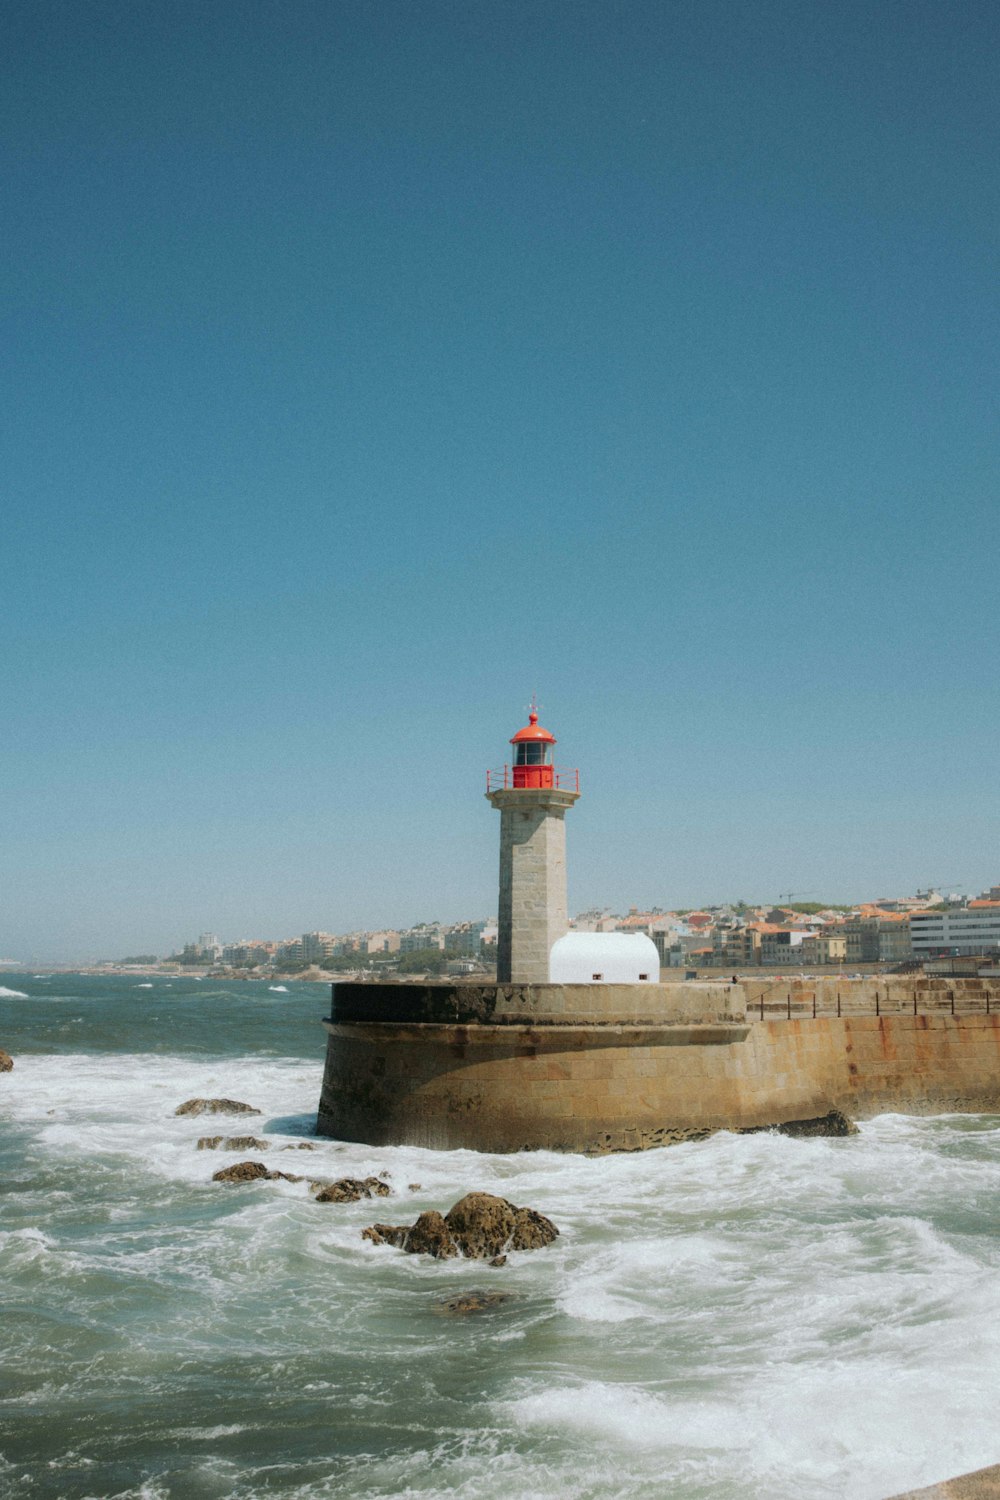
x,y
533,754
532,770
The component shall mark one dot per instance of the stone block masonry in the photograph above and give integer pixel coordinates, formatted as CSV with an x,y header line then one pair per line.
x,y
532,912
595,1068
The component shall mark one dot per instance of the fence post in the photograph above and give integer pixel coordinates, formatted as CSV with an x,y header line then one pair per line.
x,y
838,1004
876,1002
762,1005
914,999
952,993
789,1005
814,1005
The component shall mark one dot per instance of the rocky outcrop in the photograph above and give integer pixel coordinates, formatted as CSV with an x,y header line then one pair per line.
x,y
480,1226
6,1062
231,1143
428,1236
215,1107
351,1189
251,1171
484,1226
834,1123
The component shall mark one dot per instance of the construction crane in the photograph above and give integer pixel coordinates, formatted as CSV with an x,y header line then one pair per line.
x,y
944,887
794,895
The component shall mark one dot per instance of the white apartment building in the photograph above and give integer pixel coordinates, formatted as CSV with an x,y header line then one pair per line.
x,y
959,930
427,935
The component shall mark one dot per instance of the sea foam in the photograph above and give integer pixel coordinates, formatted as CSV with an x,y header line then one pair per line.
x,y
752,1316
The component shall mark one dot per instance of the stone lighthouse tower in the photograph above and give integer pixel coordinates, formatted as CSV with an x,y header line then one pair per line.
x,y
532,798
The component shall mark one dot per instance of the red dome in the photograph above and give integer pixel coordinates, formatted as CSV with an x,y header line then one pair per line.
x,y
532,731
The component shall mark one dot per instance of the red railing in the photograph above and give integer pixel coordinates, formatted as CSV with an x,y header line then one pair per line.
x,y
501,778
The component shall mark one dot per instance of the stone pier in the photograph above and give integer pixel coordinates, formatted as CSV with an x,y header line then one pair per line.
x,y
603,1067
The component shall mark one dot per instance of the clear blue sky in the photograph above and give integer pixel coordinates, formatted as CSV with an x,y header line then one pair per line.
x,y
371,366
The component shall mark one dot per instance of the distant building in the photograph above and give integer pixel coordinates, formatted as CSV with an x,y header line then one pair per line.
x,y
465,940
959,930
877,937
737,947
669,935
382,942
824,948
781,945
315,946
426,935
248,953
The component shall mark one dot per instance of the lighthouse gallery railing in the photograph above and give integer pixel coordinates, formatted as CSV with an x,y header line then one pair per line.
x,y
501,778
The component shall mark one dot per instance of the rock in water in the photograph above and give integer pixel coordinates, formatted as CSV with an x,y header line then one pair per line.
x,y
532,1230
242,1171
6,1062
832,1123
480,1226
251,1171
215,1107
428,1236
231,1143
350,1189
485,1226
470,1302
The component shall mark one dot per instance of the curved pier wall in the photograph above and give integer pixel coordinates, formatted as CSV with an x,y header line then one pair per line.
x,y
594,1068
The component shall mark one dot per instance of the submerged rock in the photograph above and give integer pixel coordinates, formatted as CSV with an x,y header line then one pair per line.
x,y
470,1302
6,1062
215,1107
350,1189
833,1123
479,1226
231,1143
300,1146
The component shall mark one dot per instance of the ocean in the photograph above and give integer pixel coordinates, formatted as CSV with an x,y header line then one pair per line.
x,y
738,1317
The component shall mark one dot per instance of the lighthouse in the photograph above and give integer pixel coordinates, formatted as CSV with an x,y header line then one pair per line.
x,y
532,797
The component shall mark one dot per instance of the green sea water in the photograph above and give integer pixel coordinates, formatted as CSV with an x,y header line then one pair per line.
x,y
738,1317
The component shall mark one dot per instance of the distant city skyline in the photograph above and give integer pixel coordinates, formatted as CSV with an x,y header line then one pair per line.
x,y
372,368
270,937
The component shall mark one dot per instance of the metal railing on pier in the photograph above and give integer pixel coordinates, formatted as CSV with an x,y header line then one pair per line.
x,y
781,1004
